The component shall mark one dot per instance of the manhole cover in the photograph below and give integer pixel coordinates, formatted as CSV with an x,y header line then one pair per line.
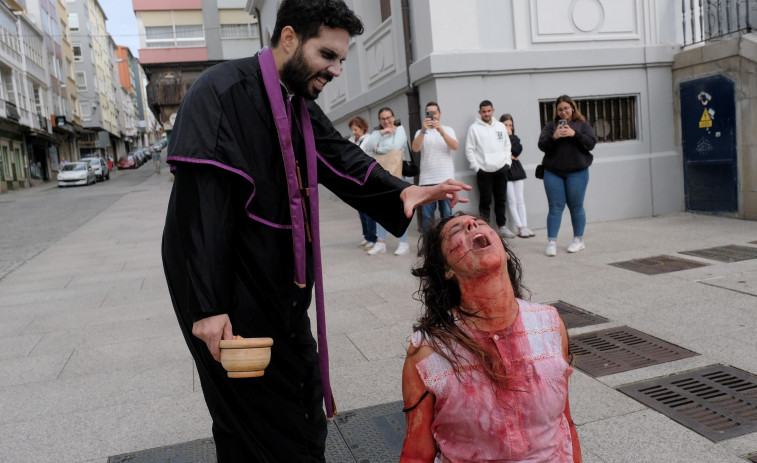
x,y
375,433
619,349
658,264
575,317
719,402
196,451
729,253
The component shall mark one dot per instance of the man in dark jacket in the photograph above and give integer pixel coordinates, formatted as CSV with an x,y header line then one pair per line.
x,y
241,246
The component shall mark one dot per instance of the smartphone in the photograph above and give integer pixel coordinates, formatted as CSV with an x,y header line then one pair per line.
x,y
429,114
562,122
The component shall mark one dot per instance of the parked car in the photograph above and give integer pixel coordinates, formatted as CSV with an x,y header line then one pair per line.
x,y
127,162
76,173
102,172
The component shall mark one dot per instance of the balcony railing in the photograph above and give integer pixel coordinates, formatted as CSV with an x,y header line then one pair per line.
x,y
705,20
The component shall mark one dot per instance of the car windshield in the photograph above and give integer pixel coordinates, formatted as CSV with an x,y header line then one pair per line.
x,y
75,166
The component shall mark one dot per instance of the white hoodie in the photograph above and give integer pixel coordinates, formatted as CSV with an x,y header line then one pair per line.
x,y
487,146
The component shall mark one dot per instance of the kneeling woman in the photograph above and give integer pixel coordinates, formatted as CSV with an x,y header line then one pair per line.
x,y
486,375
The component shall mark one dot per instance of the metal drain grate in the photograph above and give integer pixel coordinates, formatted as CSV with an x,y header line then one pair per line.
x,y
619,349
373,433
575,317
658,264
196,451
729,253
719,402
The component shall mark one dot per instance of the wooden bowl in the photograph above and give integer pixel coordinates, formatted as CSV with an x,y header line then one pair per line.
x,y
247,357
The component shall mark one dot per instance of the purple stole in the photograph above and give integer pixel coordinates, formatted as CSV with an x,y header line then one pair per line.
x,y
297,207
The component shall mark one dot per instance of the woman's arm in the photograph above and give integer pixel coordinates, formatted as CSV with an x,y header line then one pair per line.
x,y
585,136
516,147
546,139
419,445
573,433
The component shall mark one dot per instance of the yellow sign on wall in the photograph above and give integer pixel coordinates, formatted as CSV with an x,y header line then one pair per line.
x,y
706,120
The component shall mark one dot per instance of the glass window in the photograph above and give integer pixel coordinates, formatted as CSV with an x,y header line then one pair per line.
x,y
20,174
77,52
73,22
613,118
239,31
81,81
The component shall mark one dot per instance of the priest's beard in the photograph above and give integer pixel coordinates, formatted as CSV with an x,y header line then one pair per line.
x,y
297,75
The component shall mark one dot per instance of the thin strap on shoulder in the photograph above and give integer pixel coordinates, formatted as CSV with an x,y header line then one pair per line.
x,y
409,409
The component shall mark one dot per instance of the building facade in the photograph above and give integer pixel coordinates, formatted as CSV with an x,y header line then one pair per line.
x,y
614,57
179,39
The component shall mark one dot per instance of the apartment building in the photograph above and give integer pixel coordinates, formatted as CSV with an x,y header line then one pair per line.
x,y
181,38
148,127
127,97
94,78
67,122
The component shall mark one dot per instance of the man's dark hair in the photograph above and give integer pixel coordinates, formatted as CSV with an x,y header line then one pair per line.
x,y
433,103
485,103
307,16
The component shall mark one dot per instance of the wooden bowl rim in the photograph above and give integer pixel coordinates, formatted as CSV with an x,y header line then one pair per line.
x,y
246,343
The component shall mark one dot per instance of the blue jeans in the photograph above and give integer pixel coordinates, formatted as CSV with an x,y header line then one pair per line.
x,y
382,234
565,189
369,227
428,211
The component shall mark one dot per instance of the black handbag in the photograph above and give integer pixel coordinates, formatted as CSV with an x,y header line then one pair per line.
x,y
539,172
410,169
516,171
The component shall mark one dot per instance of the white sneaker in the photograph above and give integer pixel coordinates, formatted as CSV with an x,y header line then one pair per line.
x,y
369,245
363,243
576,245
504,231
402,249
377,248
530,232
551,249
523,233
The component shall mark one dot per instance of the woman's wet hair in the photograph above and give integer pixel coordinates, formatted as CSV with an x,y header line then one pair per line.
x,y
441,300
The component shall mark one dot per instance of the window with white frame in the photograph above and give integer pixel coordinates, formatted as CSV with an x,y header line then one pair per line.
x,y
239,31
77,52
169,29
86,111
73,22
81,81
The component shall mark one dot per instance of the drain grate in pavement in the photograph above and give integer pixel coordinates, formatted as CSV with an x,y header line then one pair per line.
x,y
729,253
366,435
196,451
373,434
658,264
719,402
619,349
575,317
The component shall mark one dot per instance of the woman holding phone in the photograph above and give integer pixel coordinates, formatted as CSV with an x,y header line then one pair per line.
x,y
566,142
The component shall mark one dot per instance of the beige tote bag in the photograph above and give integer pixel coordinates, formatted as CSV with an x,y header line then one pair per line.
x,y
391,162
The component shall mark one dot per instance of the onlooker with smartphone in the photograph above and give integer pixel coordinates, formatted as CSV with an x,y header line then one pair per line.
x,y
516,179
566,141
487,148
436,142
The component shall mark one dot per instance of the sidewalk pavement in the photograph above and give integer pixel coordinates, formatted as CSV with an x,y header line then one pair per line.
x,y
92,363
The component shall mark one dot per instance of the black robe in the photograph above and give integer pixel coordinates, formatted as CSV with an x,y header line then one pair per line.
x,y
224,252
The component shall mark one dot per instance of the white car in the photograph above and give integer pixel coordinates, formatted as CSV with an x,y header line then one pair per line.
x,y
76,173
100,167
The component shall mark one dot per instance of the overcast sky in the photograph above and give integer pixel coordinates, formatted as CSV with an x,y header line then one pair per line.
x,y
122,24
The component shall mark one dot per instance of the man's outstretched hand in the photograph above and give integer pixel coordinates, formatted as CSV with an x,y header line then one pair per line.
x,y
212,330
414,196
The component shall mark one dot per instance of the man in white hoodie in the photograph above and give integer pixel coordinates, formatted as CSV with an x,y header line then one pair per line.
x,y
488,151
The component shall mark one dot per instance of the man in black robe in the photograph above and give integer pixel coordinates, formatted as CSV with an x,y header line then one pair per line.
x,y
230,247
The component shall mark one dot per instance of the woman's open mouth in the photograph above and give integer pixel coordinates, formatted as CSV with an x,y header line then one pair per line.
x,y
480,241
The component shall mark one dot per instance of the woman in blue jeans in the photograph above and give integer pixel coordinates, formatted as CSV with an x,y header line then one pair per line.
x,y
566,141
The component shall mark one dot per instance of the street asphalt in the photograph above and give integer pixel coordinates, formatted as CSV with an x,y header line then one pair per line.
x,y
92,363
